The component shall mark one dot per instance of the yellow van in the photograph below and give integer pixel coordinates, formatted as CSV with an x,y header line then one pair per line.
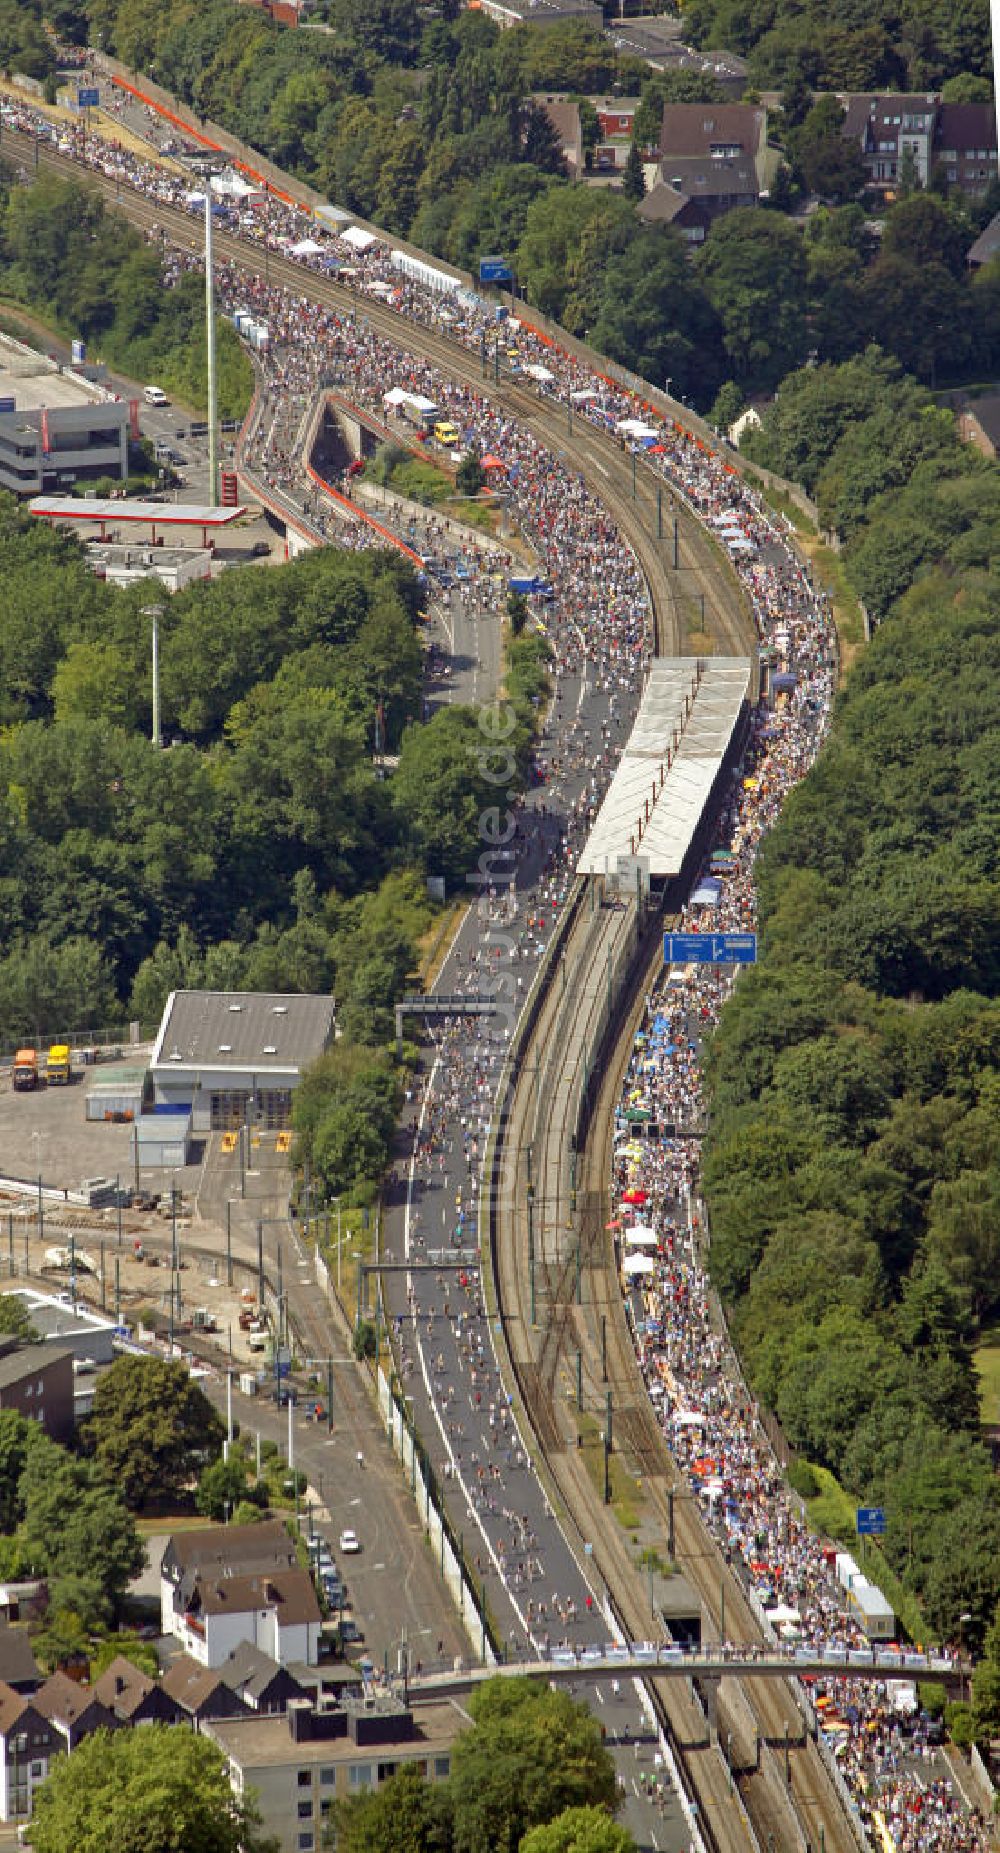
x,y
445,432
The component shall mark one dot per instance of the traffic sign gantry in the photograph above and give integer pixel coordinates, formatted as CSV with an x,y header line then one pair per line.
x,y
88,99
710,948
871,1521
495,270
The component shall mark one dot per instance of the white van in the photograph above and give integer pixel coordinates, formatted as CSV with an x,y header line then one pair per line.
x,y
155,395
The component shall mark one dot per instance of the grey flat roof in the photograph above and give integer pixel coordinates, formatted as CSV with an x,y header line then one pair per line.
x,y
704,738
29,1358
44,389
261,1031
160,514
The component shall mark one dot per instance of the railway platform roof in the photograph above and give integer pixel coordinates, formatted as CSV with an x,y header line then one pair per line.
x,y
687,718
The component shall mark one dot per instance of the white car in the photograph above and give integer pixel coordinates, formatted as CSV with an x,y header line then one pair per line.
x,y
349,1542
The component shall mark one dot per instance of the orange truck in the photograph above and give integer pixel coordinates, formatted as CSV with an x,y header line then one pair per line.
x,y
25,1072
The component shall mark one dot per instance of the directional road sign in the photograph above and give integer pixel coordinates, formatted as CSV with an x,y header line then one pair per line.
x,y
710,948
871,1521
88,99
495,270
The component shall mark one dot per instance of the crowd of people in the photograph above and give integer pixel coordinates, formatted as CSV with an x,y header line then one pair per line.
x,y
597,624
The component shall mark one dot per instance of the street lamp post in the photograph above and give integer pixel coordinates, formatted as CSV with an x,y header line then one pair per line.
x,y
155,613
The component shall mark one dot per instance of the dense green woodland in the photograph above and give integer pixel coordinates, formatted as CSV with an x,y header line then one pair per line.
x,y
423,122
853,1171
90,274
261,849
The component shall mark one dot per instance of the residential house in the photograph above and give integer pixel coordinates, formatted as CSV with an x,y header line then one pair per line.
x,y
238,1549
36,1381
713,154
615,123
18,1667
134,1698
200,1693
667,205
300,1764
965,147
916,136
72,1708
28,1741
986,247
264,1687
979,424
564,116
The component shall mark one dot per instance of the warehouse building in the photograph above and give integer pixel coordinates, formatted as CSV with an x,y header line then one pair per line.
x,y
235,1057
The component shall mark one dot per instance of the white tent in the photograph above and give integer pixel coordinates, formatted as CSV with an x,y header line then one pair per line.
x,y
357,239
581,397
689,1418
538,372
638,1264
395,396
634,428
306,247
781,1616
641,1236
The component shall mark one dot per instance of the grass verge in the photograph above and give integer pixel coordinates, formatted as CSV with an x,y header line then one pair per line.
x,y
833,1513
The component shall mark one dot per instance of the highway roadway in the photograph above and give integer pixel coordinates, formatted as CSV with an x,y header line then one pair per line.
x,y
505,1502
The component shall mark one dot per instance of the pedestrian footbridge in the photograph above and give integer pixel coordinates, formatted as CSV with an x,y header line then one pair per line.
x,y
757,1660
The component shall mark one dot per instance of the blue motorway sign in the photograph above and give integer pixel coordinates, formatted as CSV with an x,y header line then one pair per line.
x,y
495,270
709,948
88,99
871,1521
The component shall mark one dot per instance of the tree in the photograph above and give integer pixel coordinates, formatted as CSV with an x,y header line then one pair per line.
x,y
15,1319
440,791
579,1830
634,182
406,1814
151,1430
654,317
222,1488
517,612
726,406
830,164
753,270
986,1684
157,1789
540,144
80,1532
469,477
532,1753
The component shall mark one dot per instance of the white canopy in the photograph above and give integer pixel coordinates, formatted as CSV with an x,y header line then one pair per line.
x,y
782,1616
395,396
538,372
638,1264
689,1418
580,397
634,428
306,247
641,1236
357,239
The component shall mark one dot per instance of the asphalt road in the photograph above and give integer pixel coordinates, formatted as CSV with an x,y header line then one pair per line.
x,y
535,1587
395,1591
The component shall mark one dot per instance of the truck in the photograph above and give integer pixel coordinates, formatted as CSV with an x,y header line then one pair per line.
x,y
57,1065
418,410
25,1071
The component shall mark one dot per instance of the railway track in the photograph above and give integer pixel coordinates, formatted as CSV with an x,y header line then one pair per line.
x,y
553,1299
702,574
